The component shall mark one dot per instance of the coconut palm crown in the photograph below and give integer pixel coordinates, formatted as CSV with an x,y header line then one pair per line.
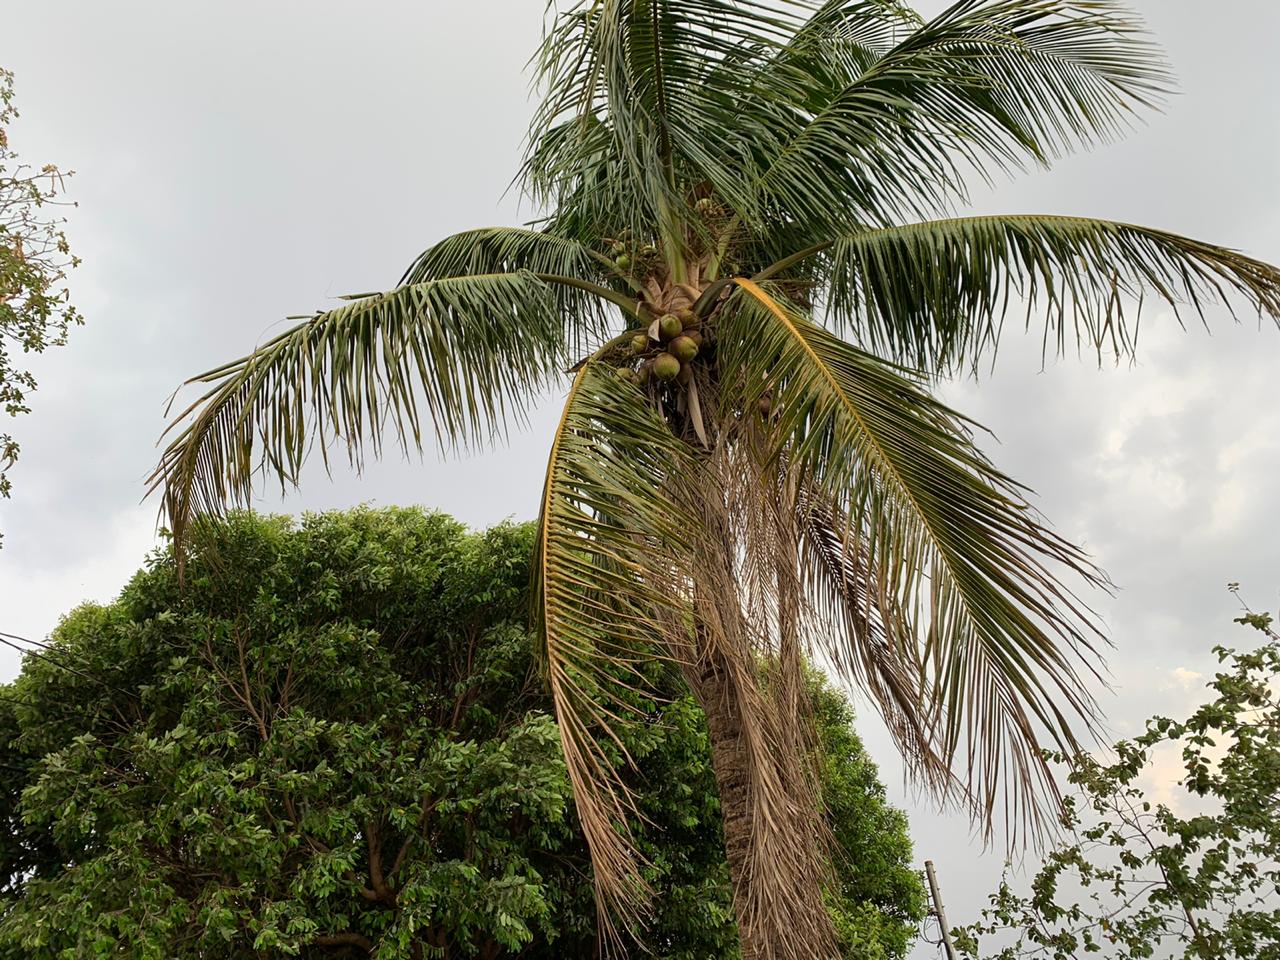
x,y
741,266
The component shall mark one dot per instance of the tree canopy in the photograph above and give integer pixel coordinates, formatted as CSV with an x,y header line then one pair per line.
x,y
331,742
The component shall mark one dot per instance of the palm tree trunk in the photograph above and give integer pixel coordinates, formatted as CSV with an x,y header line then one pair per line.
x,y
716,693
775,846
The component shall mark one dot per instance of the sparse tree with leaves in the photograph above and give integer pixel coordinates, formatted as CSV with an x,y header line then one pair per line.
x,y
1197,877
35,304
740,263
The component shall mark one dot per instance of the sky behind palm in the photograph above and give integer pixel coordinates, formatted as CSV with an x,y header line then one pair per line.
x,y
238,162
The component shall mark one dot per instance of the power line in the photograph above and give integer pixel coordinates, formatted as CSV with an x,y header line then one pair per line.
x,y
8,640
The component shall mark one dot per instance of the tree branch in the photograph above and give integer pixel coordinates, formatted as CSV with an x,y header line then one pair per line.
x,y
335,940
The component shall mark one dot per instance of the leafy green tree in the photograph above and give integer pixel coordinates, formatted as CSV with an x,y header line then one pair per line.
x,y
332,743
1198,878
738,260
35,305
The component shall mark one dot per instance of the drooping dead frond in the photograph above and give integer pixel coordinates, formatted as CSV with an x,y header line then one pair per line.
x,y
747,670
861,626
611,550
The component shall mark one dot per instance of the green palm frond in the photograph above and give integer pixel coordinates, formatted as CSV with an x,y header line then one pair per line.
x,y
853,33
950,538
936,294
986,81
493,250
612,549
646,96
506,250
472,350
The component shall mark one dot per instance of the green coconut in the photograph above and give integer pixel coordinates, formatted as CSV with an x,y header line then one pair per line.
x,y
627,374
694,335
639,343
683,349
670,326
666,367
619,247
623,263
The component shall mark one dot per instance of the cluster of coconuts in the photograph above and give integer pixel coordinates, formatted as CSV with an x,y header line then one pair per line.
x,y
627,253
708,208
670,357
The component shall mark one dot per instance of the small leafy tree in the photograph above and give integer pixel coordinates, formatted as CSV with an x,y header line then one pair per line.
x,y
1141,879
35,305
330,745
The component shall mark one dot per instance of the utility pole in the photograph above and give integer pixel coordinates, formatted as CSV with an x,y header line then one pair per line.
x,y
939,911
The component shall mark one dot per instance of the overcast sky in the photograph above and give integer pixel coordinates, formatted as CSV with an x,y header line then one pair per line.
x,y
237,162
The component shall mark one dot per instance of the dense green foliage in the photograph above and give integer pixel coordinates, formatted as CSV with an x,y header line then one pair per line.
x,y
1197,877
331,743
35,308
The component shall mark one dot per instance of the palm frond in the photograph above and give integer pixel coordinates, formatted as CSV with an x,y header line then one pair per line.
x,y
493,250
864,629
473,350
613,553
505,250
935,294
636,94
946,535
985,82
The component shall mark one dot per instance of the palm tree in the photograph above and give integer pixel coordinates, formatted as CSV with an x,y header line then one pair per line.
x,y
740,265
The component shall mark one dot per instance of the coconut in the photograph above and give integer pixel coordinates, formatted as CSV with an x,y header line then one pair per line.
x,y
669,326
666,367
686,375
623,263
619,247
694,335
683,349
627,374
648,250
639,343
705,206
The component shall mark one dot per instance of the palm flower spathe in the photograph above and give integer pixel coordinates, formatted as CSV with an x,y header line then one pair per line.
x,y
741,266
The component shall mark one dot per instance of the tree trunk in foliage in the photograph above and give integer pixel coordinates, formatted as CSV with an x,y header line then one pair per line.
x,y
717,695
